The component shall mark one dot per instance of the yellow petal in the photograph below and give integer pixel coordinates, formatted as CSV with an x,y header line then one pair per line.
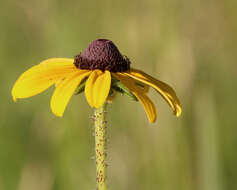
x,y
140,95
65,90
129,82
165,90
89,86
97,88
144,87
101,89
148,106
57,62
40,77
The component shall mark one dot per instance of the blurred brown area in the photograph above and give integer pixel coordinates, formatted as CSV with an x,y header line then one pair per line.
x,y
191,45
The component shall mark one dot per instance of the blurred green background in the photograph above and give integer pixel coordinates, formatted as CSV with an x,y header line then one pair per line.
x,y
191,45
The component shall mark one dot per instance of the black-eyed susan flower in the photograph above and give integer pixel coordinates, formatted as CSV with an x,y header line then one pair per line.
x,y
100,70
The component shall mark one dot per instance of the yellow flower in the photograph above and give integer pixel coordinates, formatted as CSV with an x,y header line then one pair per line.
x,y
97,67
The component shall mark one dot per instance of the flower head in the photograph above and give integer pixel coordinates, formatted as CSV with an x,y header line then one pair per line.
x,y
99,71
102,54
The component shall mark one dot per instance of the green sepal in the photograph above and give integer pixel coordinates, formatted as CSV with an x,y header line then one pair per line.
x,y
121,88
111,93
81,87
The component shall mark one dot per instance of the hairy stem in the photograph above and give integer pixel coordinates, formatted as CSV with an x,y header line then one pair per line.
x,y
100,147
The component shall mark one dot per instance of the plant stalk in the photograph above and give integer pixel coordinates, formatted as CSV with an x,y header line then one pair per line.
x,y
100,147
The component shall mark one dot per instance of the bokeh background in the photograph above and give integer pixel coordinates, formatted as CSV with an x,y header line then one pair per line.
x,y
191,45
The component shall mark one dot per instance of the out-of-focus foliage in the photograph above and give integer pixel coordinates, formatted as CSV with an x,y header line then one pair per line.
x,y
189,44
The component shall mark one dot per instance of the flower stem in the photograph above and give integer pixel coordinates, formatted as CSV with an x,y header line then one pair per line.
x,y
100,147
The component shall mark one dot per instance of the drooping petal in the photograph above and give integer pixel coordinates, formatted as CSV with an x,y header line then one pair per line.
x,y
65,90
148,105
165,90
144,87
40,77
97,88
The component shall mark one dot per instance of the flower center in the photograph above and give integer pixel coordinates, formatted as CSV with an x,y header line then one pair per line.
x,y
104,55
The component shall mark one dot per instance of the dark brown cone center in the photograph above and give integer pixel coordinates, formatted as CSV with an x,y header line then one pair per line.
x,y
102,54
